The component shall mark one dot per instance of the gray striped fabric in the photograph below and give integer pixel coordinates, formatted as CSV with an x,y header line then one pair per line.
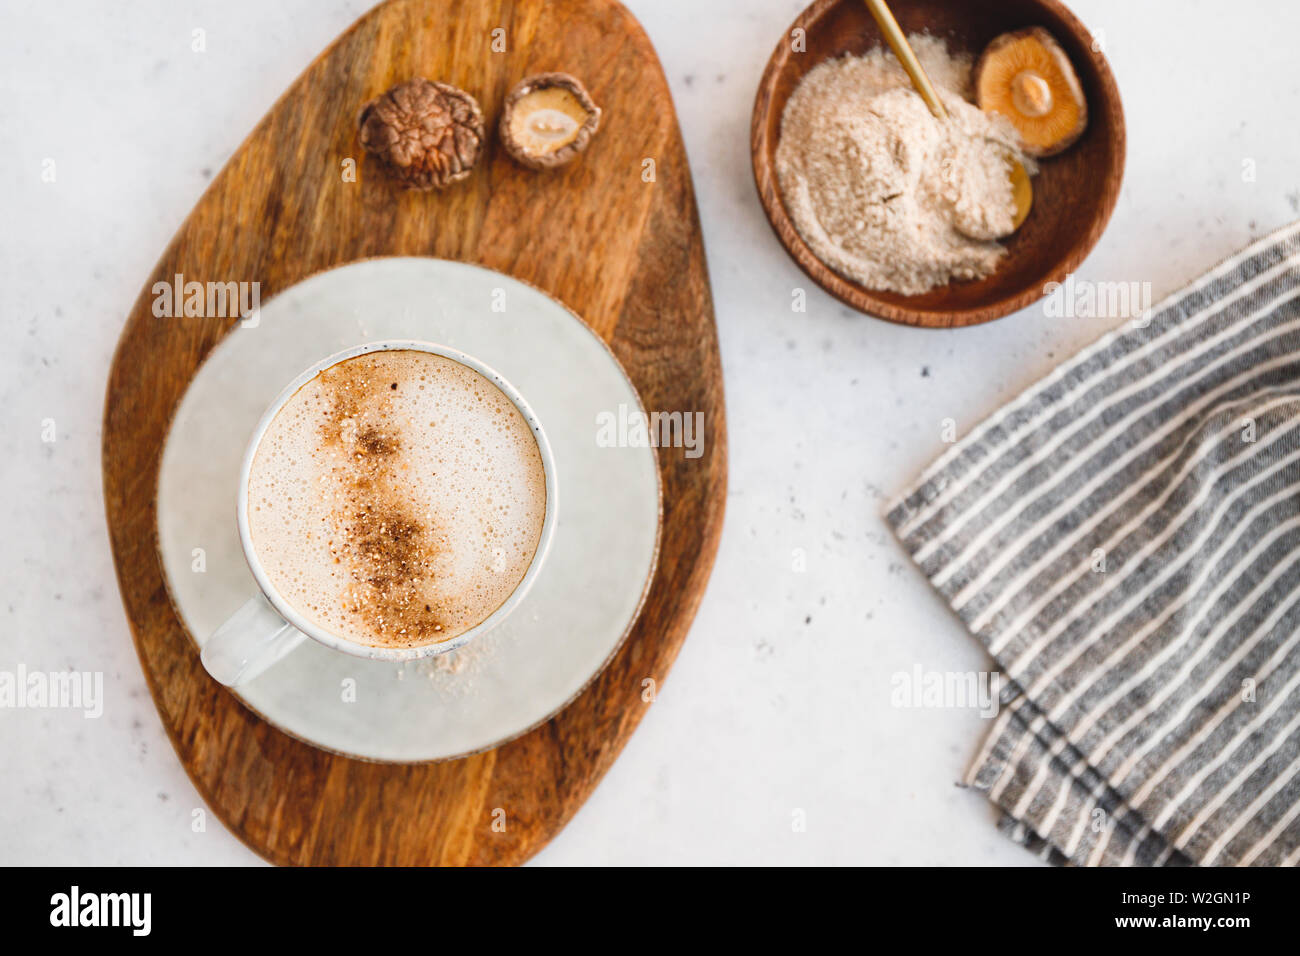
x,y
1124,538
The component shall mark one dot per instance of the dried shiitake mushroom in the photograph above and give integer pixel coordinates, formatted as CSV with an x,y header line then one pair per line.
x,y
1027,77
548,120
428,134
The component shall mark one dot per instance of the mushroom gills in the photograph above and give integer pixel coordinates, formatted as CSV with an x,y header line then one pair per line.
x,y
1027,77
548,119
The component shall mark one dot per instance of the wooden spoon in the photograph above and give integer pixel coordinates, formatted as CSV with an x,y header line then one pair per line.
x,y
1022,190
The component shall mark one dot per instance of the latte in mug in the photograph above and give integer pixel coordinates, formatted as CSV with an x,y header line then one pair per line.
x,y
397,499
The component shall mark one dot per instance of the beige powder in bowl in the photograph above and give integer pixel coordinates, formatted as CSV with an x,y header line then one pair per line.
x,y
882,191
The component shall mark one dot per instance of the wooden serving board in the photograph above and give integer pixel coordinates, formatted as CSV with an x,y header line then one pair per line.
x,y
624,253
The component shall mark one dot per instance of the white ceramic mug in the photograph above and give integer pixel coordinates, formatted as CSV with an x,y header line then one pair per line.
x,y
267,628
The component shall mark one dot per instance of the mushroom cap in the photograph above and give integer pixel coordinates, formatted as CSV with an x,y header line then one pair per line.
x,y
1027,77
557,135
428,134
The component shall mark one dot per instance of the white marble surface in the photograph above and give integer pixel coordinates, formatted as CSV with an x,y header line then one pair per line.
x,y
779,701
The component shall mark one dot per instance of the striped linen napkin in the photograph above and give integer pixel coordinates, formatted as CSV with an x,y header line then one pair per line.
x,y
1124,538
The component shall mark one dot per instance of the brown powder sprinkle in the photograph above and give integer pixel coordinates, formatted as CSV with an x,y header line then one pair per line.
x,y
372,443
390,559
390,554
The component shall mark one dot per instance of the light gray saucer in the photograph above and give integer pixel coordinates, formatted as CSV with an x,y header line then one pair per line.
x,y
593,581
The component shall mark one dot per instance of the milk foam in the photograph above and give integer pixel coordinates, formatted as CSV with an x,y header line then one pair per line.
x,y
397,499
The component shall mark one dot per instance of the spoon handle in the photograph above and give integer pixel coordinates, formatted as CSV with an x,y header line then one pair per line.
x,y
897,41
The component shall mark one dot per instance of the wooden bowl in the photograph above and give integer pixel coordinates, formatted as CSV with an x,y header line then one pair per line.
x,y
1074,193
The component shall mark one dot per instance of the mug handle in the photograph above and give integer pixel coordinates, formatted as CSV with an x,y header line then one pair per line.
x,y
250,641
